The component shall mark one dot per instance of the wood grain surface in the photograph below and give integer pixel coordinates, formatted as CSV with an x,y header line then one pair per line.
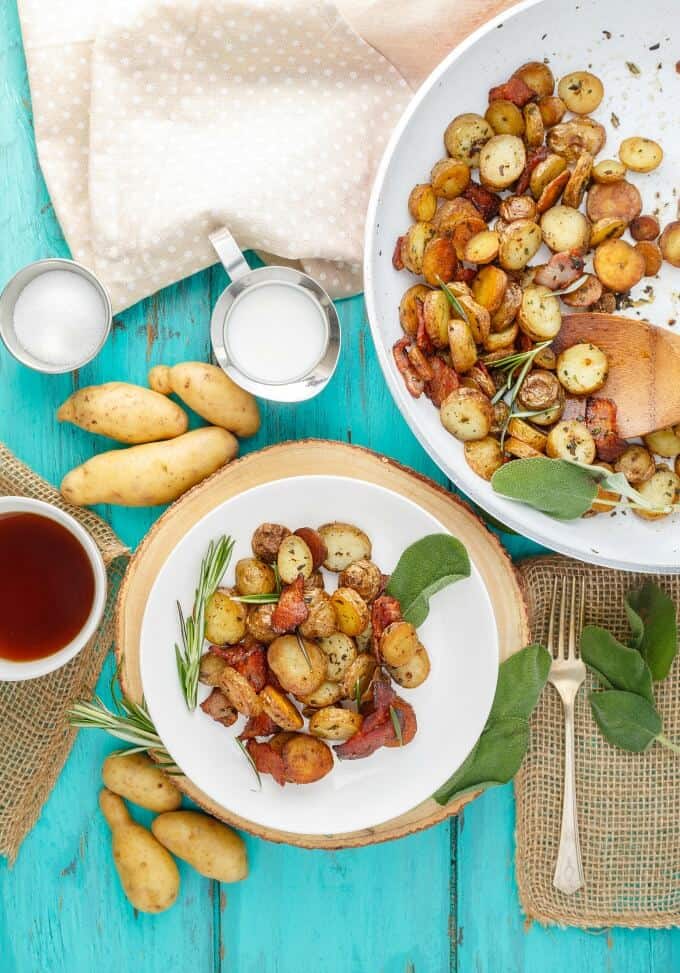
x,y
441,901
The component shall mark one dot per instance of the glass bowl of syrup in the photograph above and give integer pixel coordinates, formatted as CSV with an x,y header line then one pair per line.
x,y
52,588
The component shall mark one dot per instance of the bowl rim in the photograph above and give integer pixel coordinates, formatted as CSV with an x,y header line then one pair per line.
x,y
11,671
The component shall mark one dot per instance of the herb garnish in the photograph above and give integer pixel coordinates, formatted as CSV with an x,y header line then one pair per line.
x,y
262,599
453,301
423,569
396,723
499,752
213,566
244,750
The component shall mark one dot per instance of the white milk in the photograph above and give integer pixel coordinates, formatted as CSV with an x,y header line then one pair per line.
x,y
60,318
276,333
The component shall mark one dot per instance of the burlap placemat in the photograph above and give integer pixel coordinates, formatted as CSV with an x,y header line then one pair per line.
x,y
35,739
628,804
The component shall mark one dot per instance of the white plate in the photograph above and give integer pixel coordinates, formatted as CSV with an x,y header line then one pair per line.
x,y
571,35
451,706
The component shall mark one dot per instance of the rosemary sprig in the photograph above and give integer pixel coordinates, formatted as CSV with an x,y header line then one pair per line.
x,y
357,693
244,751
303,648
129,722
453,300
192,629
263,599
397,725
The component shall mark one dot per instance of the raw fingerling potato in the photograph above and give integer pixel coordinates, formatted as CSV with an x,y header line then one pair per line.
x,y
124,412
209,846
208,391
151,474
345,543
147,872
137,778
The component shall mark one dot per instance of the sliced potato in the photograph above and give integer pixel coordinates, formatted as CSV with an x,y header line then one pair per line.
x,y
501,412
398,643
545,172
449,178
345,543
365,577
340,651
484,456
552,110
608,170
488,288
661,490
422,202
645,228
482,248
461,345
259,623
582,369
537,76
498,341
351,611
502,318
534,130
580,91
321,620
408,311
210,669
664,442
540,390
306,759
519,242
477,317
324,695
605,500
298,672
280,709
436,315
413,245
452,212
565,228
545,358
552,192
518,208
652,256
669,242
467,414
239,692
539,314
294,558
519,449
578,181
571,439
439,260
584,295
608,228
358,675
254,577
465,136
267,539
620,199
618,265
225,619
524,431
414,672
501,161
640,155
571,138
483,380
636,463
463,231
335,723
505,118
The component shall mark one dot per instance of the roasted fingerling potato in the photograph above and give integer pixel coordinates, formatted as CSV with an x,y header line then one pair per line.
x,y
364,577
254,577
267,541
345,543
225,618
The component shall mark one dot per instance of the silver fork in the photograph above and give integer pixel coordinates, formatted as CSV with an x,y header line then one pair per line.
x,y
567,674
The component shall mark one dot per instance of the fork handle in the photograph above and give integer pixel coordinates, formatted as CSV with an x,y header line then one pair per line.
x,y
568,876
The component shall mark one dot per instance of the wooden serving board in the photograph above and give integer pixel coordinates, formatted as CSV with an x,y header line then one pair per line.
x,y
299,459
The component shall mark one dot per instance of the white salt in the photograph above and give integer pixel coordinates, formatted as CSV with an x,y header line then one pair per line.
x,y
276,332
60,318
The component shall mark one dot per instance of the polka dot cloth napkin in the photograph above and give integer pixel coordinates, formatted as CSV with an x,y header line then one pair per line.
x,y
158,121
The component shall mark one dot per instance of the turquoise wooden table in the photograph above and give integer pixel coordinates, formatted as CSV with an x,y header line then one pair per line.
x,y
441,901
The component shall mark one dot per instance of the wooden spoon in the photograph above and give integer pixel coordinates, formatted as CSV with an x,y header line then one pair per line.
x,y
644,368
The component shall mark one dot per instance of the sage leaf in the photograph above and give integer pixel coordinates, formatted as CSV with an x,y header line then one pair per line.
x,y
626,720
425,568
498,754
556,487
616,666
652,618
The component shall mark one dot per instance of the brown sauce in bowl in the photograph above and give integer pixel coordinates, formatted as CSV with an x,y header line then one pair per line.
x,y
47,587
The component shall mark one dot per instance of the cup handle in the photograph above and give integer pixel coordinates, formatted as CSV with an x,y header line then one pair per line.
x,y
229,252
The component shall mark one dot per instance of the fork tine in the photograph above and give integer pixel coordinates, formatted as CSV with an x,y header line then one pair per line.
x,y
572,622
551,619
560,633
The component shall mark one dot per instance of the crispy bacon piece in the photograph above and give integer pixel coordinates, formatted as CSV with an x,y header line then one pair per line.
x,y
397,262
219,708
487,203
514,90
533,158
384,611
315,543
407,720
444,381
377,730
465,275
383,692
412,380
422,337
420,363
249,658
601,421
561,270
267,760
258,726
292,609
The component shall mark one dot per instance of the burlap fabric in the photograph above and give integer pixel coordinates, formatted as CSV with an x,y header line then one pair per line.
x,y
35,739
628,804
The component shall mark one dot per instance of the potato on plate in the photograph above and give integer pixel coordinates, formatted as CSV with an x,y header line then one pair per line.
x,y
340,651
306,759
225,618
571,440
299,672
254,577
484,456
465,136
467,414
582,369
413,673
351,611
335,723
346,543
